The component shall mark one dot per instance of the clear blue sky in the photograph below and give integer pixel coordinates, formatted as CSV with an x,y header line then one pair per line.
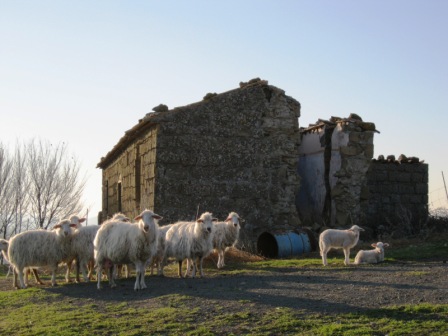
x,y
84,72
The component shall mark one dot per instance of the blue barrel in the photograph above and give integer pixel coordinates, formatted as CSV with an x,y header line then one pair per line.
x,y
283,244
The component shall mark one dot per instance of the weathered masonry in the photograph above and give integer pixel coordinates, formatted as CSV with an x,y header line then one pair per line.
x,y
234,151
342,185
243,151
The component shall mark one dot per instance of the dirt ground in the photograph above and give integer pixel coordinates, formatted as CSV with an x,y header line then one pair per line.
x,y
313,289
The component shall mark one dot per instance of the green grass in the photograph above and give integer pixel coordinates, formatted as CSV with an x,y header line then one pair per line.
x,y
36,311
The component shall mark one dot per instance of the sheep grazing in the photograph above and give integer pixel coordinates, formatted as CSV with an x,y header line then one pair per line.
x,y
226,234
40,248
4,248
119,242
338,239
191,241
371,256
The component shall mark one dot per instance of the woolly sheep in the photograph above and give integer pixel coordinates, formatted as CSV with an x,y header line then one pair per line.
x,y
82,250
40,248
226,234
158,257
4,248
123,243
344,239
71,257
191,241
371,256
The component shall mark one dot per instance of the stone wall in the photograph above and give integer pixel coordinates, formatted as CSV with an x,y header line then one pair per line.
x,y
235,151
396,202
334,157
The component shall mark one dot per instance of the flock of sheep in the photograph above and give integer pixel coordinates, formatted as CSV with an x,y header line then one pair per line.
x,y
119,242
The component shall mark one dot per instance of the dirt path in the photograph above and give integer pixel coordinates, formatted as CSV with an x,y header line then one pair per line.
x,y
308,289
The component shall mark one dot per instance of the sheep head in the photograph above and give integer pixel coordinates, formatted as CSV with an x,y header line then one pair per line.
x,y
234,219
205,222
65,227
147,218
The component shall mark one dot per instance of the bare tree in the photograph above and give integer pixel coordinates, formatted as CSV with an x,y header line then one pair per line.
x,y
56,186
6,189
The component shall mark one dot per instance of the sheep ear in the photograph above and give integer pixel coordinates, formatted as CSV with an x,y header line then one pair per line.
x,y
386,244
228,219
373,245
57,226
82,220
199,220
71,225
214,219
138,218
157,217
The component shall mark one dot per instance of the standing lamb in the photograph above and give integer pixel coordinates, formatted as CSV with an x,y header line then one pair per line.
x,y
371,256
82,250
190,240
123,243
226,234
338,239
40,248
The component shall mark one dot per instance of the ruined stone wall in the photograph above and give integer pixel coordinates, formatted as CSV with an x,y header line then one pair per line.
x,y
334,156
236,151
397,199
352,150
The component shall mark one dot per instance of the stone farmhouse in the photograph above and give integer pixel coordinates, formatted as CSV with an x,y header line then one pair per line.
x,y
243,150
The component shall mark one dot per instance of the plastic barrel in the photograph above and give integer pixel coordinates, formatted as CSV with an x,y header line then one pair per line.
x,y
283,244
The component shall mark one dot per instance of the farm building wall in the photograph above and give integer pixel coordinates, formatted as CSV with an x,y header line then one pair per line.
x,y
396,202
235,151
333,160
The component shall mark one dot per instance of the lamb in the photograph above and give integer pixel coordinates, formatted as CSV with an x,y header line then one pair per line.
x,y
191,241
119,242
40,248
344,239
371,256
226,234
4,248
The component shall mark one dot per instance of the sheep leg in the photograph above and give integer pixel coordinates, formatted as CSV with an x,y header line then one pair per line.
x,y
200,264
99,270
83,266
221,259
179,271
111,276
36,276
323,253
54,268
20,273
67,273
347,256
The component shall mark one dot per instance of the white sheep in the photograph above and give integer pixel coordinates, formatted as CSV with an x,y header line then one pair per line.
x,y
4,248
226,234
123,243
40,248
82,250
71,257
158,257
338,239
371,256
191,241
